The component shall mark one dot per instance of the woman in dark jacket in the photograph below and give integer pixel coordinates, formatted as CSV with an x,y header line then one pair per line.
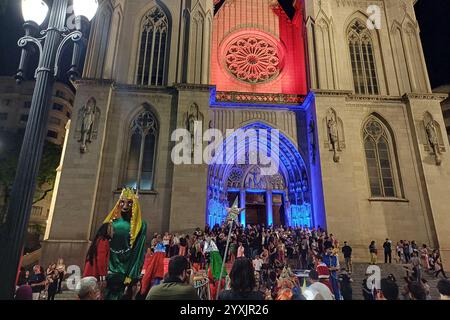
x,y
243,282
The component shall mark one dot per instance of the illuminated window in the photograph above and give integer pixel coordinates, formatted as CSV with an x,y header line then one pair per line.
x,y
140,167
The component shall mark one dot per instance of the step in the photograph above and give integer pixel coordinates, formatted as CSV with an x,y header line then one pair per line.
x,y
359,270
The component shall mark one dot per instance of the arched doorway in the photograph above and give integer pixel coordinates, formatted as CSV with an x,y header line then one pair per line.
x,y
280,198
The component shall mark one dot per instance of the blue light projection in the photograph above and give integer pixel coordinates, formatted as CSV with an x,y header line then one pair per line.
x,y
217,212
300,215
291,167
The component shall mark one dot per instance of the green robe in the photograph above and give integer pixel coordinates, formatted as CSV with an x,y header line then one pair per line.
x,y
216,265
125,261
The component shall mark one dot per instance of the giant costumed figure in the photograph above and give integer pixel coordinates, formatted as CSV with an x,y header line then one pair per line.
x,y
127,243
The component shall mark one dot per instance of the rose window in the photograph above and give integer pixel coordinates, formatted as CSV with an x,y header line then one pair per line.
x,y
252,59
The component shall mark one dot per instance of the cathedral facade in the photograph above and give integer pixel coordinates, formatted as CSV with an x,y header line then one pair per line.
x,y
361,137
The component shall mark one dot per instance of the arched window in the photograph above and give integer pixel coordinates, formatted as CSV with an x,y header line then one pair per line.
x,y
362,57
153,48
377,145
140,169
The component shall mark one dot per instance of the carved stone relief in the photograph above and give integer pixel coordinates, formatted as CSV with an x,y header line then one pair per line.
x,y
87,124
192,116
335,140
433,142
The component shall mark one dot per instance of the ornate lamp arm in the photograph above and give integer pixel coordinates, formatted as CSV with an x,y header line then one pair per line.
x,y
75,36
30,29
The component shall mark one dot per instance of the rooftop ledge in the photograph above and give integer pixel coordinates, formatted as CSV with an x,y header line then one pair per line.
x,y
381,199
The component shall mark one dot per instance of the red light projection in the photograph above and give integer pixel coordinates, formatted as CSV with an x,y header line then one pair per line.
x,y
252,58
256,48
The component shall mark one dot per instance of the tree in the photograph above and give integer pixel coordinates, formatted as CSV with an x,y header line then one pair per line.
x,y
10,144
47,171
9,155
3,6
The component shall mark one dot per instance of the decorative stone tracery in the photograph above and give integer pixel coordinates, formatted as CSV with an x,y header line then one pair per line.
x,y
253,58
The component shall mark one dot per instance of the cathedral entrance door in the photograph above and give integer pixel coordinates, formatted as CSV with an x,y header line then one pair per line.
x,y
255,209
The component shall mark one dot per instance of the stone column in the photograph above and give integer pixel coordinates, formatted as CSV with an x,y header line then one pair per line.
x,y
435,178
69,227
242,200
189,180
269,208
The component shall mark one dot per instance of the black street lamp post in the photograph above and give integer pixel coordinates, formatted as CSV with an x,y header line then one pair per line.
x,y
20,203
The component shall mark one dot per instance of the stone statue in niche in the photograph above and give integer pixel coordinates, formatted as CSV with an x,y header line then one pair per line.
x,y
88,118
335,134
191,120
433,140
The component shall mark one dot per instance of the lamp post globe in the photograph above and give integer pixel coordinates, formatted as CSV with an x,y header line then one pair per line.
x,y
86,8
35,11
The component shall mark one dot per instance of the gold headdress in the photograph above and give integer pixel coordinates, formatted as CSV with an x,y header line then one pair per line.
x,y
136,217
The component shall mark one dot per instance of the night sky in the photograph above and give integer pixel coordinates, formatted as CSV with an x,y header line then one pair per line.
x,y
433,16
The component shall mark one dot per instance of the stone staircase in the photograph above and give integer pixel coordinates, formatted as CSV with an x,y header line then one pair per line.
x,y
67,295
359,270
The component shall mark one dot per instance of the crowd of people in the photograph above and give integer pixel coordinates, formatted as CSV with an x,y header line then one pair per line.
x,y
277,263
41,284
421,258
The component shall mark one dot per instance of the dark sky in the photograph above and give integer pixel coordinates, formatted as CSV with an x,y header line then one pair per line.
x,y
433,16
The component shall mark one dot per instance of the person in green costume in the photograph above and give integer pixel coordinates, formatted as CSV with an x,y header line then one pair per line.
x,y
214,267
127,245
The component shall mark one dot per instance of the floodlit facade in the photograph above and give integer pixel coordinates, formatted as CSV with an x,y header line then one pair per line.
x,y
361,145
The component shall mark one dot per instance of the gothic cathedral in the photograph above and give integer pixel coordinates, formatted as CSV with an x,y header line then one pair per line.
x,y
361,143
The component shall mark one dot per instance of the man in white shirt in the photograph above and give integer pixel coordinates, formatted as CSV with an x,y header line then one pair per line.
x,y
317,290
257,263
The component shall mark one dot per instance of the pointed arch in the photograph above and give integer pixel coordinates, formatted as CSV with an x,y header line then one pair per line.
x,y
141,147
153,48
225,175
400,61
362,57
114,36
413,56
99,41
325,52
381,158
